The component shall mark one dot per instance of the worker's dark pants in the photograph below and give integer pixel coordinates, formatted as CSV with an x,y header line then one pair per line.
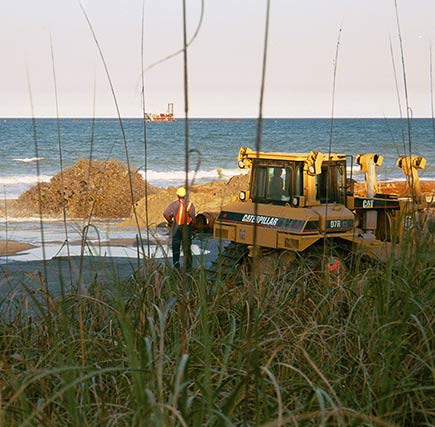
x,y
182,237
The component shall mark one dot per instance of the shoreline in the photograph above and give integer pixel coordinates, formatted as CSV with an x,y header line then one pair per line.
x,y
111,249
207,198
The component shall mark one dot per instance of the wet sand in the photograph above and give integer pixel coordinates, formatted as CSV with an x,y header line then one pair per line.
x,y
17,277
9,247
22,283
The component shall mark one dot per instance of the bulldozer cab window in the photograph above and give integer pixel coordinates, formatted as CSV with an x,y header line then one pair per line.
x,y
331,183
277,184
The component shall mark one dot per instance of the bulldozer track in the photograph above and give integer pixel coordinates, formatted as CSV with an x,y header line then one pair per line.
x,y
233,261
228,263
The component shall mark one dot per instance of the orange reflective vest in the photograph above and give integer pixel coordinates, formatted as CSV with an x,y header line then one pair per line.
x,y
182,216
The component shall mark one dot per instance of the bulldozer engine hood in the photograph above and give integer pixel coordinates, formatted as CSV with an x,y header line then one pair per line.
x,y
308,220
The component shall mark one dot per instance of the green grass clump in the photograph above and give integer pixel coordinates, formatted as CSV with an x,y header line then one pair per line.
x,y
166,350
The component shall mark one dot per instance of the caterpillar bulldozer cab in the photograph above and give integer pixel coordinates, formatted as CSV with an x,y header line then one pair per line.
x,y
297,201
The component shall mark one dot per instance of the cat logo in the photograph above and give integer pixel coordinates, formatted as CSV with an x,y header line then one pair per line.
x,y
367,204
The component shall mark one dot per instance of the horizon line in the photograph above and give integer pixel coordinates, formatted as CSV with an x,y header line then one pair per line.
x,y
214,118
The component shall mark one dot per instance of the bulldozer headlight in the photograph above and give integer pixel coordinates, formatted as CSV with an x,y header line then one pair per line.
x,y
241,164
242,195
295,201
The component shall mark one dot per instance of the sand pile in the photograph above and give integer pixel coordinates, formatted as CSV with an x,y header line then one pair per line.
x,y
397,188
97,188
208,197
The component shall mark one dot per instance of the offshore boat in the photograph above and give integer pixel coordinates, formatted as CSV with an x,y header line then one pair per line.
x,y
161,117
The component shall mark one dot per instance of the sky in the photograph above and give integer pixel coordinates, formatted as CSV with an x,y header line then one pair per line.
x,y
43,42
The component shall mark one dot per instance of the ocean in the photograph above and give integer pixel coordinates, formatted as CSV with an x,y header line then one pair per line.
x,y
214,143
46,144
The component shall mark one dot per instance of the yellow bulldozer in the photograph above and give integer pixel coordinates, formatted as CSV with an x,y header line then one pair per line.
x,y
298,202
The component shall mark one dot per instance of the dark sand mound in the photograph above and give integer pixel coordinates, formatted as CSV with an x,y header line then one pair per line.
x,y
97,188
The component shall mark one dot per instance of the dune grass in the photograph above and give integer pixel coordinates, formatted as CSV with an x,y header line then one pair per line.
x,y
163,350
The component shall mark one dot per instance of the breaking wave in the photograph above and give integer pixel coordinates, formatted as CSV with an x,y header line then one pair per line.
x,y
23,179
14,185
167,178
29,159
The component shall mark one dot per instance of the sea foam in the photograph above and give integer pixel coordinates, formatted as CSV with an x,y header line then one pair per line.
x,y
29,159
23,179
177,177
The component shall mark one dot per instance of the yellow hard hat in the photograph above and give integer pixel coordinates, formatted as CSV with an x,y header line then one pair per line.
x,y
181,192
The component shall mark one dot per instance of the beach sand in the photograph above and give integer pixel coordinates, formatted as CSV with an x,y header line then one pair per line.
x,y
8,247
17,278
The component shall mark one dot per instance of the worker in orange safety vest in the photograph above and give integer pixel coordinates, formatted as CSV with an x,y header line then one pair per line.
x,y
180,217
